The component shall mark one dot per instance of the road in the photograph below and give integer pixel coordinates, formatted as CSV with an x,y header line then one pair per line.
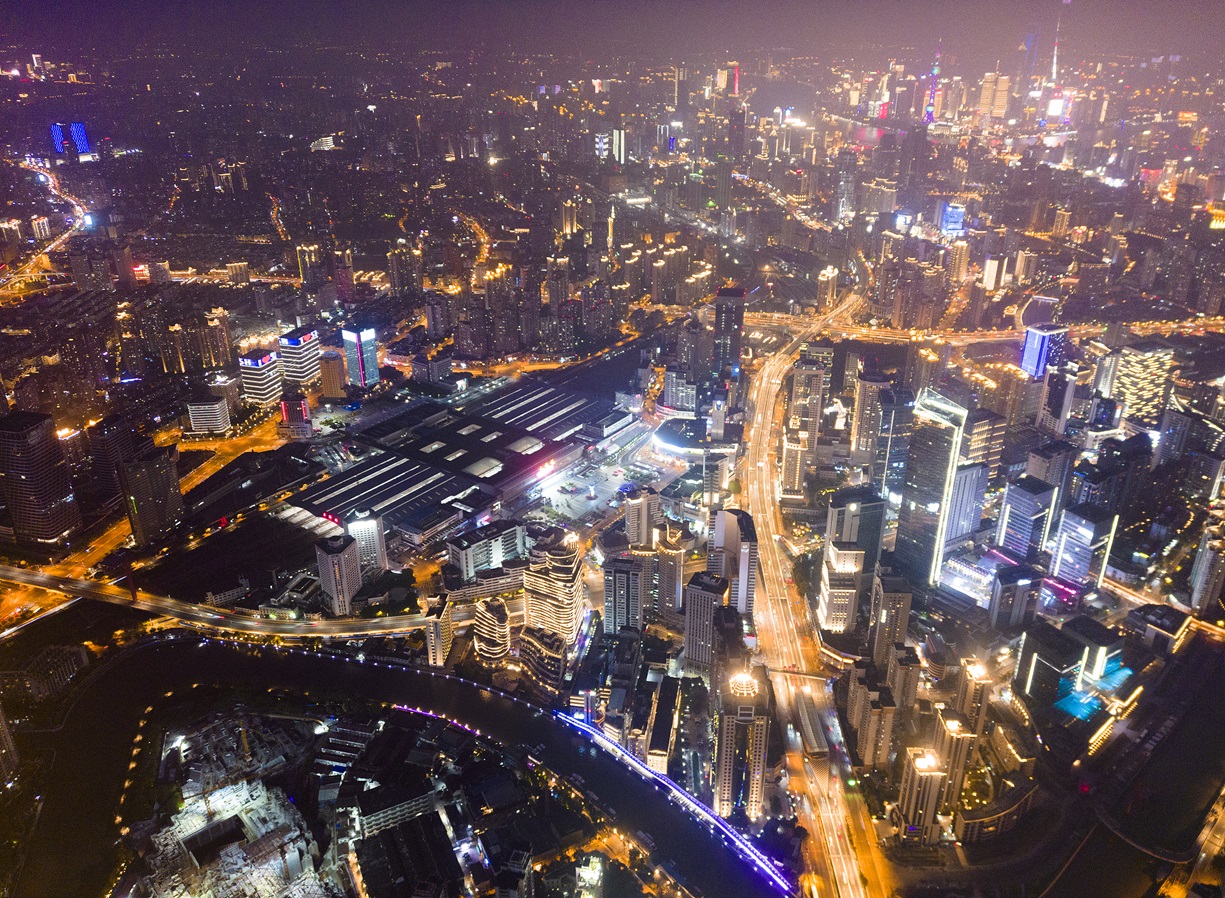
x,y
786,637
220,619
30,268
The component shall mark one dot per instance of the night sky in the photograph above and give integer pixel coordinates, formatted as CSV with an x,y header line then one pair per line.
x,y
974,33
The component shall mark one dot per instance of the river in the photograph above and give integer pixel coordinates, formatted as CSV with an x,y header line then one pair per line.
x,y
74,846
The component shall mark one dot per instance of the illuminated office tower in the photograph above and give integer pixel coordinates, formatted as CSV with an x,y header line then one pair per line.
x,y
703,594
1142,380
1025,517
954,742
1014,596
729,327
893,442
626,587
553,587
340,572
838,596
732,554
865,425
1058,398
1208,574
1055,463
804,403
9,762
111,443
366,528
491,632
34,479
151,494
927,490
891,596
983,440
641,516
670,574
966,504
542,656
439,632
404,270
1043,348
261,378
740,755
300,351
361,355
856,516
919,802
310,260
795,462
1083,543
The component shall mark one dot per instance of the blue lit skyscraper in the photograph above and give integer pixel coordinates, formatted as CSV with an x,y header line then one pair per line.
x,y
361,356
1043,348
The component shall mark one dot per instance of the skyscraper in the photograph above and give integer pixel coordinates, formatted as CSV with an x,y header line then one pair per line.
x,y
865,425
1043,348
366,528
732,554
893,442
973,694
729,326
1083,543
332,370
340,572
740,756
1208,573
553,586
111,443
300,350
35,480
361,355
919,802
954,741
1026,514
491,631
891,598
626,586
838,597
261,378
983,439
966,504
152,496
641,516
1142,380
703,594
927,490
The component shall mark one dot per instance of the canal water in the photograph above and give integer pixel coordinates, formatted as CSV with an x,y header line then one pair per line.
x,y
75,845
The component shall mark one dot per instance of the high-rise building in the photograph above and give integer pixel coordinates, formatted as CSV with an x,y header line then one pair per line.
x,y
334,374
732,554
366,528
958,263
973,694
891,596
827,288
856,515
1083,543
893,442
641,516
1208,574
300,350
1026,514
626,589
1142,380
1054,463
670,575
553,586
729,327
9,762
865,425
740,755
261,378
111,443
842,567
490,546
35,480
361,355
296,417
1048,665
931,469
1043,348
439,632
491,631
152,496
209,414
542,655
809,376
1014,596
966,503
340,572
983,439
919,802
955,739
703,594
